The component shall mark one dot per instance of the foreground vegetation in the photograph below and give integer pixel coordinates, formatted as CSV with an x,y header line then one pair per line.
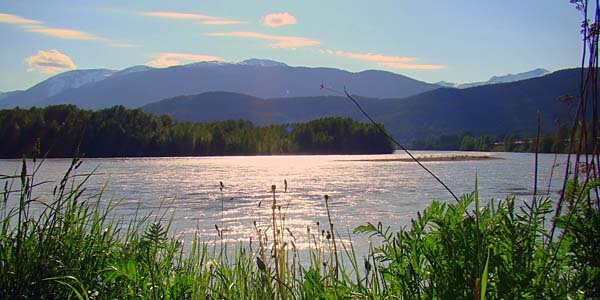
x,y
117,132
465,250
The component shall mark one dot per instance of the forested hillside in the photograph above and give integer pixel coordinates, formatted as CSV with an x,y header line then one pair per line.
x,y
486,110
118,131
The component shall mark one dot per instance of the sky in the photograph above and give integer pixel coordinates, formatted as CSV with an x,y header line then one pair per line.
x,y
457,41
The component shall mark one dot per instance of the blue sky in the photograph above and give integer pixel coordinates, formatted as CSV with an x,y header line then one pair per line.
x,y
458,41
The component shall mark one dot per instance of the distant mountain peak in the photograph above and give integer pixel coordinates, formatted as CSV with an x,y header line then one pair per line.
x,y
73,79
498,79
83,72
519,76
200,64
262,63
134,69
446,84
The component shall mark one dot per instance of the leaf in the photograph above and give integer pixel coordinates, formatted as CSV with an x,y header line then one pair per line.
x,y
368,228
484,277
80,293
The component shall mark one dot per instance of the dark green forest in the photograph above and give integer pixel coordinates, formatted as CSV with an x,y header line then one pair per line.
x,y
117,131
501,143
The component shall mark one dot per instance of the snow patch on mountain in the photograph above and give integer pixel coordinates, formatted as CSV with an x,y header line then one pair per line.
x,y
203,64
447,84
73,79
518,77
262,63
130,70
497,79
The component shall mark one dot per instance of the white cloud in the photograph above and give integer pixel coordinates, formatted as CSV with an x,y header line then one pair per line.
x,y
13,19
62,33
36,26
388,61
168,59
206,19
49,62
412,66
373,57
222,22
178,15
279,19
279,41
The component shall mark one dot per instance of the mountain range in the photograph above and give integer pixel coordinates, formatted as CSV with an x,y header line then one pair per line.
x,y
489,109
138,86
268,92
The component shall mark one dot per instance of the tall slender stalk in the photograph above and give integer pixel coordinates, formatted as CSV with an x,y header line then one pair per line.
x,y
332,236
220,231
536,150
276,253
557,148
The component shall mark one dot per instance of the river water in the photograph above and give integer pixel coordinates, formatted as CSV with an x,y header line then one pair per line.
x,y
363,188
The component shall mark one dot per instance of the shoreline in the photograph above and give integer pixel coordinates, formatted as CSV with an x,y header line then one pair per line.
x,y
428,158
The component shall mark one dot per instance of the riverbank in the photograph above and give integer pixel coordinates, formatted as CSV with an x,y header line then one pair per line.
x,y
432,158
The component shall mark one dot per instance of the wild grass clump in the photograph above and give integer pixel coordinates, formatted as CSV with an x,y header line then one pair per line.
x,y
498,251
447,251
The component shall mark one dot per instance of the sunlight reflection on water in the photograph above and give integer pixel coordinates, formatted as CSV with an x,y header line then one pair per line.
x,y
361,190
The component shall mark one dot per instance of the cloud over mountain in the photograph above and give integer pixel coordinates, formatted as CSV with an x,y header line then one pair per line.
x,y
168,59
389,61
49,62
278,41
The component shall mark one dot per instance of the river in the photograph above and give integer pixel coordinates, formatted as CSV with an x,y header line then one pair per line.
x,y
363,188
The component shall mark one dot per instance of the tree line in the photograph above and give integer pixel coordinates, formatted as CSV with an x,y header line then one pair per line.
x,y
512,142
65,130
